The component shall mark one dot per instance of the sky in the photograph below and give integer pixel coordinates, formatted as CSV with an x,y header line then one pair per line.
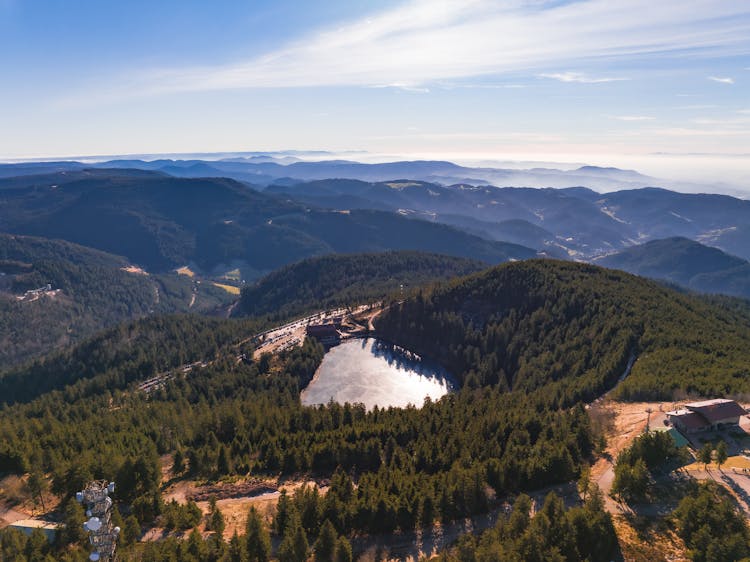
x,y
663,87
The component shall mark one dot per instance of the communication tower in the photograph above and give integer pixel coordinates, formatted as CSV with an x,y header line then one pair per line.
x,y
102,535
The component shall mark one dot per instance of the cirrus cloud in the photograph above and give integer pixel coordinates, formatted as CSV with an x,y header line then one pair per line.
x,y
425,41
722,80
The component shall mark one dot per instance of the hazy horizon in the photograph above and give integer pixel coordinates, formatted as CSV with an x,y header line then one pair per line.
x,y
660,88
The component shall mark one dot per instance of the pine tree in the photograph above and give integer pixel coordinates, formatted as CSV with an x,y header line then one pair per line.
x,y
705,454
223,464
325,546
236,552
721,453
37,486
294,546
73,518
257,540
343,550
215,519
131,532
178,465
284,508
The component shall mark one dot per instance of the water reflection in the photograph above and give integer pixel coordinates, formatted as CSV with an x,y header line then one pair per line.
x,y
374,372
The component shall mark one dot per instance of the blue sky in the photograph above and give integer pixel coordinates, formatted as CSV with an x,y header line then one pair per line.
x,y
637,83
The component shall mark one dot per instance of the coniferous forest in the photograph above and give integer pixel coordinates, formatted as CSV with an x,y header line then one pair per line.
x,y
530,343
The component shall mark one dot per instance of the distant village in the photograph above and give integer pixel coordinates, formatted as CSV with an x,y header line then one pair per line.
x,y
34,294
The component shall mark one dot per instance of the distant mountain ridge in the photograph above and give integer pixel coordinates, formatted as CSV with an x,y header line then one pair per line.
x,y
575,222
264,170
162,222
686,263
219,224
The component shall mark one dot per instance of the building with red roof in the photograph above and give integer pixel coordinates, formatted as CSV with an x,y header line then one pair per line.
x,y
708,415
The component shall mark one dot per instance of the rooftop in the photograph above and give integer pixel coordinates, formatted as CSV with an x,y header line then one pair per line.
x,y
717,409
691,420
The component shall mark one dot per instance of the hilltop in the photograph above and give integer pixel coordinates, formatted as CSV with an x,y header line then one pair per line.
x,y
687,263
54,293
570,329
342,280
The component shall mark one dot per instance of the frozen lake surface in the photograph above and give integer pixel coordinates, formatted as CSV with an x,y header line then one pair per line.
x,y
375,373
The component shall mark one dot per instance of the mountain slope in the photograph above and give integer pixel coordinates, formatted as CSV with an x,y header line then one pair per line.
x,y
89,290
569,329
342,280
163,222
686,263
566,220
117,356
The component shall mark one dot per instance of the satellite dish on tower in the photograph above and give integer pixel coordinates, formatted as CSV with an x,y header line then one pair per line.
x,y
94,524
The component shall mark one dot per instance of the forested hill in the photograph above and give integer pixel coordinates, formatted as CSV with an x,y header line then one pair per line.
x,y
687,263
342,280
570,329
161,222
114,358
90,290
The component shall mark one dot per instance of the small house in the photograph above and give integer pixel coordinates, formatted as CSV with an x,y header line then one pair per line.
x,y
708,415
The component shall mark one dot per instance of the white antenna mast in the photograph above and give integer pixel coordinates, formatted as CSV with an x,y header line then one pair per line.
x,y
102,536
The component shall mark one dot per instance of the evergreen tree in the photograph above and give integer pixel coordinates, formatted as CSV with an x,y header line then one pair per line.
x,y
38,485
257,540
236,552
73,518
131,532
215,519
705,454
721,453
325,546
343,550
223,465
284,509
294,546
178,464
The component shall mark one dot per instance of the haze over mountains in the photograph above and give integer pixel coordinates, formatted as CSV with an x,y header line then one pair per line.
x,y
262,169
251,214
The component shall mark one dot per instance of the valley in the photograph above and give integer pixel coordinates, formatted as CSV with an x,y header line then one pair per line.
x,y
399,281
350,352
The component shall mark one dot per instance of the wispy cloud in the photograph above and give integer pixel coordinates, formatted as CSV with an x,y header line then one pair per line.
x,y
425,41
411,88
721,80
632,117
579,77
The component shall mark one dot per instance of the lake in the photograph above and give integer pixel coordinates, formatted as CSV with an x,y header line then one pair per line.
x,y
373,372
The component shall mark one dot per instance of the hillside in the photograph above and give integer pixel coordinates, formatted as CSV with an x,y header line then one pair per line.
x,y
687,263
569,329
551,220
88,290
574,221
529,341
341,280
226,419
217,225
116,357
